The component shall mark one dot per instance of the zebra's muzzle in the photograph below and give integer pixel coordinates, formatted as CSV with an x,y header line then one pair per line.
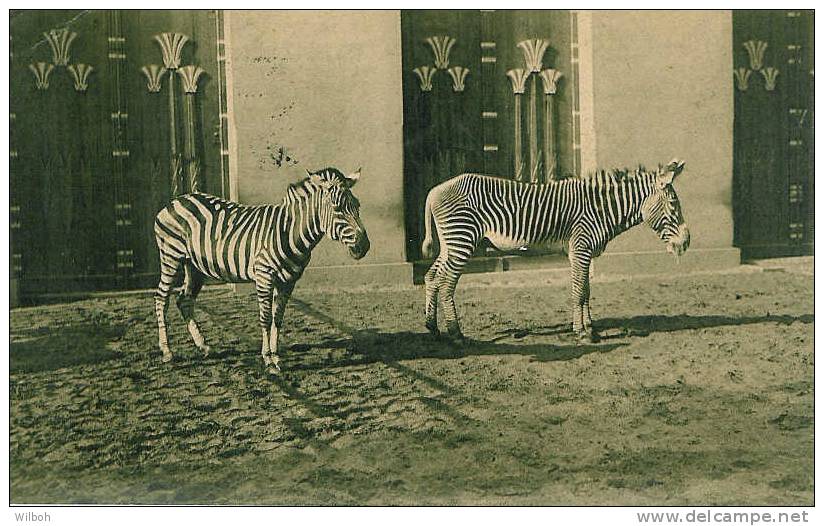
x,y
679,243
360,248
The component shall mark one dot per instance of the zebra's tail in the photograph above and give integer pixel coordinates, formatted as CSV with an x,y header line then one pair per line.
x,y
428,246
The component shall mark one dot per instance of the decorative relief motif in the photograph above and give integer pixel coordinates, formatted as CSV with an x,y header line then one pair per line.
x,y
154,75
41,71
60,41
796,191
440,48
171,45
756,49
193,172
190,75
80,74
534,50
770,76
458,75
794,52
518,78
176,170
425,74
742,78
550,78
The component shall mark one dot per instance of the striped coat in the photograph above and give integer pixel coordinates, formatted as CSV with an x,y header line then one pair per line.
x,y
271,245
585,213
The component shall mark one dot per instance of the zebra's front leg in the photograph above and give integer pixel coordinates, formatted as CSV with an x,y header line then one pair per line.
x,y
265,289
161,303
587,317
168,270
284,292
579,295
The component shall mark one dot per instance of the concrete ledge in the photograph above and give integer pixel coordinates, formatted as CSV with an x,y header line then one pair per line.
x,y
614,264
646,263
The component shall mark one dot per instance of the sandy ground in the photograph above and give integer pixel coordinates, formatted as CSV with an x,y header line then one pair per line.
x,y
701,392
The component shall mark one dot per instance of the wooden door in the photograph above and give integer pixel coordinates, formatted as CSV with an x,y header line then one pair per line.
x,y
457,121
91,153
773,132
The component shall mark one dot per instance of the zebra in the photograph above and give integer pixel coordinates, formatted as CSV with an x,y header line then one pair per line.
x,y
270,245
584,213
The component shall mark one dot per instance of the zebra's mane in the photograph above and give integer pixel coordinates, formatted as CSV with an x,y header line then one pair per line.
x,y
615,175
302,188
297,190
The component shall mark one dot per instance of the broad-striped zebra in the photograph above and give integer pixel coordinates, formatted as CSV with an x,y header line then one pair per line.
x,y
586,213
270,244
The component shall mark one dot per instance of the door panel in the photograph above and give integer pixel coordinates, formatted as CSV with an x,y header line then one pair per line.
x,y
773,134
90,165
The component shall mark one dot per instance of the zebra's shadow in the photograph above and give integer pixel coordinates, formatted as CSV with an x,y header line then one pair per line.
x,y
617,328
373,346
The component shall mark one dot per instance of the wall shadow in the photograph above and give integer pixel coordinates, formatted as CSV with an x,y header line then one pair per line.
x,y
65,347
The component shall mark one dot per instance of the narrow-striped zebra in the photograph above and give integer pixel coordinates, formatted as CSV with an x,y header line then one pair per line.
x,y
585,213
270,244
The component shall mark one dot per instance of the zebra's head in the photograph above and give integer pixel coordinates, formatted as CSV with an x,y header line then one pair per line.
x,y
662,209
340,209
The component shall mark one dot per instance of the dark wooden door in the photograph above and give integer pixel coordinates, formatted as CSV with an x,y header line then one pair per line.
x,y
773,132
456,122
91,151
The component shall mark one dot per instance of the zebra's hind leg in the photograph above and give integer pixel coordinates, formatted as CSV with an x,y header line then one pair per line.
x,y
169,265
432,297
192,283
447,278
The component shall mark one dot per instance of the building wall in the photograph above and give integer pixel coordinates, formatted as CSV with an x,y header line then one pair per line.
x,y
325,87
659,91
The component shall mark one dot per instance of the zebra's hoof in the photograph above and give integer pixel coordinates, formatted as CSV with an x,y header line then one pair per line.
x,y
272,364
432,327
205,349
457,338
166,358
588,337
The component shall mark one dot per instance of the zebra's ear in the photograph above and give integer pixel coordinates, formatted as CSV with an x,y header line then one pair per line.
x,y
353,177
675,167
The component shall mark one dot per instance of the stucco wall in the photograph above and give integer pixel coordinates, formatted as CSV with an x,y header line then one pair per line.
x,y
327,89
662,88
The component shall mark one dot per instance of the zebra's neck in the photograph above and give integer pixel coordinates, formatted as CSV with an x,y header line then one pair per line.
x,y
616,203
302,218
